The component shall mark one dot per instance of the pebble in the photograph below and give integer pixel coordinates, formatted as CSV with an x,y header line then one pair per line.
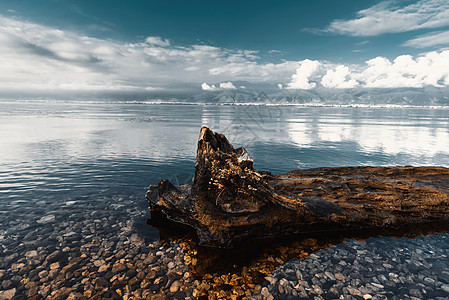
x,y
445,287
375,269
103,268
97,263
266,293
46,219
158,280
379,286
8,294
73,254
30,254
118,267
96,253
43,274
175,286
54,266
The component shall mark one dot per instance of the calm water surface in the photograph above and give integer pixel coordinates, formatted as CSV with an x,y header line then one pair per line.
x,y
55,153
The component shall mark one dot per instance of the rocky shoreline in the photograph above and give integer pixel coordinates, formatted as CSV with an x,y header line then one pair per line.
x,y
388,268
91,253
102,254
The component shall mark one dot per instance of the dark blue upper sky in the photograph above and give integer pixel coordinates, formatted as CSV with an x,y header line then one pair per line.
x,y
286,43
284,25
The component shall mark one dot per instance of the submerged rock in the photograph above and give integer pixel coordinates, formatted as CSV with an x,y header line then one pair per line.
x,y
229,201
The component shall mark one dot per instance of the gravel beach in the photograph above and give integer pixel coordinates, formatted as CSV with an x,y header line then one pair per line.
x,y
82,251
378,268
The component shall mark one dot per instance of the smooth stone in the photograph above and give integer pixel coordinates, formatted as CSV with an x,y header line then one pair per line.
x,y
445,287
379,286
340,277
46,219
133,281
54,266
53,257
31,254
266,294
175,286
149,260
17,266
97,263
8,294
103,268
43,274
118,267
6,284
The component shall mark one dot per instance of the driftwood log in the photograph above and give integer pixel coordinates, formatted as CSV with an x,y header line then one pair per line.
x,y
229,201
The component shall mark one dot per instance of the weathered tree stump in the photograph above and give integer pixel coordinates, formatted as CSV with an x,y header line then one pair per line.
x,y
230,202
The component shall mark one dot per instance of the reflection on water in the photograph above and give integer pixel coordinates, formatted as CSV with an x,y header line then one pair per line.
x,y
74,149
414,137
62,149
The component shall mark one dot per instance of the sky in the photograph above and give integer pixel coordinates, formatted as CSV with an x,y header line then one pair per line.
x,y
61,45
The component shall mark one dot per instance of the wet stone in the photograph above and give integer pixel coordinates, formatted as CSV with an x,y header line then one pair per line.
x,y
46,219
323,274
133,281
53,257
175,286
82,262
8,294
54,266
31,254
103,268
43,274
118,268
445,287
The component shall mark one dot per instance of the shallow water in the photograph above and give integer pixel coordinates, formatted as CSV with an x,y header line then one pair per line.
x,y
63,163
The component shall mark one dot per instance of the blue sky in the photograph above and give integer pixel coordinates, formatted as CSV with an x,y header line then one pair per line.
x,y
157,45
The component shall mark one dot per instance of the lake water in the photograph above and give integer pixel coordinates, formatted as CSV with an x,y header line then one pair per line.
x,y
65,162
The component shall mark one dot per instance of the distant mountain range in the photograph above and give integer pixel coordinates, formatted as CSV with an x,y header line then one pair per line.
x,y
260,94
406,96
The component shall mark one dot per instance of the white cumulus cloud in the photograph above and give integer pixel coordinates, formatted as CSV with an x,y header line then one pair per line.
x,y
157,41
222,86
431,68
390,17
227,86
36,57
46,58
301,79
207,87
339,78
428,69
